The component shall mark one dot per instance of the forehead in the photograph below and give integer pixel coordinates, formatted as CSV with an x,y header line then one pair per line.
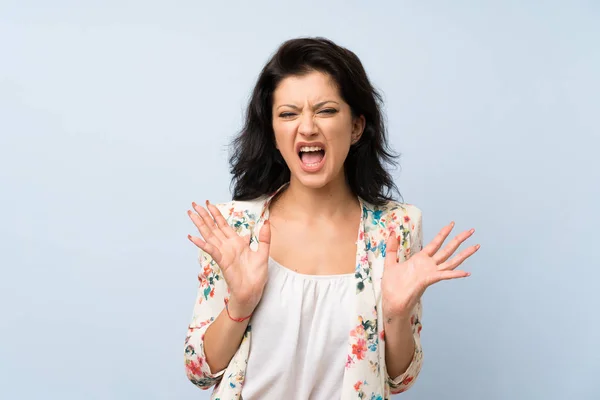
x,y
312,87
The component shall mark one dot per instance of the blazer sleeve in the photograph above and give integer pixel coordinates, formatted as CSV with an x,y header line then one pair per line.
x,y
209,304
403,382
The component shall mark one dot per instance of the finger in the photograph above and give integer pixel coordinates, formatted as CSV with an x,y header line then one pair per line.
x,y
451,247
438,240
454,262
391,247
212,231
264,239
220,220
208,248
447,275
205,230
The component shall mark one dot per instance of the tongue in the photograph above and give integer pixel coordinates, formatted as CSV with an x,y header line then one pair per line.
x,y
312,157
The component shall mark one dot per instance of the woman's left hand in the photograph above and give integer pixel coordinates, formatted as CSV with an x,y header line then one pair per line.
x,y
403,283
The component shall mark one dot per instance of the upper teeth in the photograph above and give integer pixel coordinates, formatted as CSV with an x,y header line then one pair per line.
x,y
310,148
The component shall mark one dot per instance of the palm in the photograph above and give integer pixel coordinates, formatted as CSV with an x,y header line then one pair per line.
x,y
244,270
404,283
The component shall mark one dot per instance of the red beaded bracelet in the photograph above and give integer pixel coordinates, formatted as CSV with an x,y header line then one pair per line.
x,y
229,315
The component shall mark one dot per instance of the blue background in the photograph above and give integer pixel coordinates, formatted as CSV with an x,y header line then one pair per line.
x,y
115,116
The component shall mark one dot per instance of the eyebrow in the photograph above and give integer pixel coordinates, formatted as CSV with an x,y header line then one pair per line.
x,y
316,105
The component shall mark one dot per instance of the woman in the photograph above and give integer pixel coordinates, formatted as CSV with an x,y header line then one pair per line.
x,y
312,276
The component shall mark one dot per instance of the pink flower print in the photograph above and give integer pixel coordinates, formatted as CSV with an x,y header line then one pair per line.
x,y
349,362
193,369
359,348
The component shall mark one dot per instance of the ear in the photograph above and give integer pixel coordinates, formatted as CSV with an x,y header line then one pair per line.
x,y
358,127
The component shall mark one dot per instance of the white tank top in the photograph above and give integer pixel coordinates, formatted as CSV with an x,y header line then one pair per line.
x,y
300,332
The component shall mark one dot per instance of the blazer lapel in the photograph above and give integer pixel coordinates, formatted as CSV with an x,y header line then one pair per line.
x,y
362,375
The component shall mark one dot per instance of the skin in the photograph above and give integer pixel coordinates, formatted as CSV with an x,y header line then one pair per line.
x,y
315,221
309,108
313,225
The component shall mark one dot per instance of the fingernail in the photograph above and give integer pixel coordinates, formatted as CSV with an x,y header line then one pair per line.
x,y
477,247
194,204
452,224
472,230
207,202
190,237
189,212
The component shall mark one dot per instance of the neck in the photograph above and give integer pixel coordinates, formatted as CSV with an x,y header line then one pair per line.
x,y
334,199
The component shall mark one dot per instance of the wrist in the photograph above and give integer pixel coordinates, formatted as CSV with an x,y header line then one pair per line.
x,y
396,320
238,309
397,317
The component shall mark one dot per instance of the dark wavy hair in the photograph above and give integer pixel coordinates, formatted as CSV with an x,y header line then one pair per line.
x,y
257,166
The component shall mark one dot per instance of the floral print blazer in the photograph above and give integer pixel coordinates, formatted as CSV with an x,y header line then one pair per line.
x,y
365,375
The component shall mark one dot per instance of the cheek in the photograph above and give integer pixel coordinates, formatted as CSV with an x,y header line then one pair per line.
x,y
339,139
284,140
341,152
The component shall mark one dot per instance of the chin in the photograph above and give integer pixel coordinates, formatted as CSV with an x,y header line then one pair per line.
x,y
316,180
312,182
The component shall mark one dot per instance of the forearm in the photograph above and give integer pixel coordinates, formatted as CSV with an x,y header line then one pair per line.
x,y
223,337
399,345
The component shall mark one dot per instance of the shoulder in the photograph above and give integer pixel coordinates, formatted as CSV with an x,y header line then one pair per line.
x,y
244,206
393,213
242,214
402,219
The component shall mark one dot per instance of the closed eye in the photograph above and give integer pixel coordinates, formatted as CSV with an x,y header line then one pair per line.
x,y
328,111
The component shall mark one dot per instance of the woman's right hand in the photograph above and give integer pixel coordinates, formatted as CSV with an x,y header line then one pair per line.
x,y
245,271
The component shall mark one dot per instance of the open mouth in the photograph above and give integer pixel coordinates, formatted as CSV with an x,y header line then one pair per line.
x,y
311,156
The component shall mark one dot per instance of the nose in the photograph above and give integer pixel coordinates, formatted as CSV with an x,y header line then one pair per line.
x,y
307,124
